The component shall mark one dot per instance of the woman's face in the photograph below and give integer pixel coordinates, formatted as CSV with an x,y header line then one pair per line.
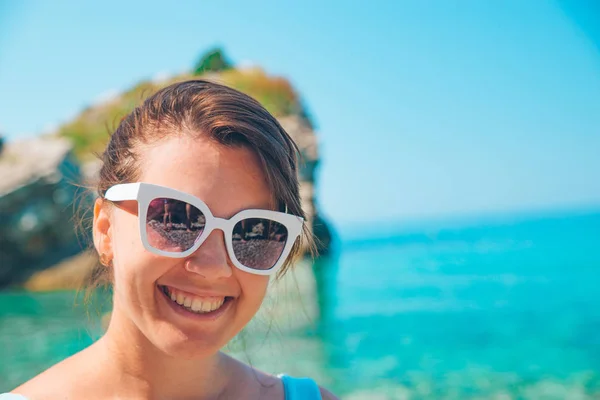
x,y
228,180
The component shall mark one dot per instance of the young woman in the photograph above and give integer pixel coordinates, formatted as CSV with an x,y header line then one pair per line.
x,y
183,289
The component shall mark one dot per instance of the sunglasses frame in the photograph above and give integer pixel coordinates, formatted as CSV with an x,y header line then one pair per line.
x,y
144,193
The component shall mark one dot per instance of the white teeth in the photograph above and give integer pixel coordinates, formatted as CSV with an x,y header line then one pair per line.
x,y
194,304
197,305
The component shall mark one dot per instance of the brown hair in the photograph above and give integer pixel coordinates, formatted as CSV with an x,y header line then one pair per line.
x,y
223,114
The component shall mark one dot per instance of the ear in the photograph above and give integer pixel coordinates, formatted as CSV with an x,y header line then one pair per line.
x,y
102,229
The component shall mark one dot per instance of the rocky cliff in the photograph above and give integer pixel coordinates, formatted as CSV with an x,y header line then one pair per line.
x,y
38,182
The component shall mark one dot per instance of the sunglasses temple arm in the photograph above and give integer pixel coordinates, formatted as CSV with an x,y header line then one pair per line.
x,y
125,191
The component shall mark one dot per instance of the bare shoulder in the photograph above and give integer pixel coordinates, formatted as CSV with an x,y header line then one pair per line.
x,y
327,395
57,382
46,385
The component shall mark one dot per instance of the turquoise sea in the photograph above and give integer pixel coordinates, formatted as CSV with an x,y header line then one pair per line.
x,y
498,308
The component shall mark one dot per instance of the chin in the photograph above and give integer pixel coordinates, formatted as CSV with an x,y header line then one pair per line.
x,y
177,343
186,342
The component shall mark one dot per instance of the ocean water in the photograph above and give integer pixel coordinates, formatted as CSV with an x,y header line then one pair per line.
x,y
503,309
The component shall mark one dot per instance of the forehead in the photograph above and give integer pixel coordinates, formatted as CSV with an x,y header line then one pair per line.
x,y
227,179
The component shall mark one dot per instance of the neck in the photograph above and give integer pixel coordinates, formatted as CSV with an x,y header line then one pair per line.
x,y
139,369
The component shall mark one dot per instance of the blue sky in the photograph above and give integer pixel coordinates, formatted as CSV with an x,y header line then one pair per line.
x,y
424,108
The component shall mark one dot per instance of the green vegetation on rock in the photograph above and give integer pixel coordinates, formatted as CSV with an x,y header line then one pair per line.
x,y
212,61
91,129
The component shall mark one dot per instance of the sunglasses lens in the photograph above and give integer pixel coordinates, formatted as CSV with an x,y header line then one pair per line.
x,y
258,242
173,225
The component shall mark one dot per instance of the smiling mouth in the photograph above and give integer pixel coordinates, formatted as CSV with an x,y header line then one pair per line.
x,y
193,304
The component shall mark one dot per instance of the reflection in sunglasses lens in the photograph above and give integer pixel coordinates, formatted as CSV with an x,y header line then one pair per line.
x,y
173,225
258,242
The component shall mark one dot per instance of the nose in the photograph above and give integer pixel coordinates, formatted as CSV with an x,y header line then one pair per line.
x,y
210,260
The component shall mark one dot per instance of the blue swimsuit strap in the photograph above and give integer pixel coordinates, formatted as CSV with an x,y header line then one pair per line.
x,y
300,388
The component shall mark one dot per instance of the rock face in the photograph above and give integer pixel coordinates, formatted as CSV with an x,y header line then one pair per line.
x,y
38,179
303,134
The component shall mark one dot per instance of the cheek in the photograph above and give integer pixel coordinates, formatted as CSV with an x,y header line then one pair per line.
x,y
131,259
253,287
126,241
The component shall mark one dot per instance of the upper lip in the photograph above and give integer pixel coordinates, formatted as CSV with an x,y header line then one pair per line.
x,y
198,293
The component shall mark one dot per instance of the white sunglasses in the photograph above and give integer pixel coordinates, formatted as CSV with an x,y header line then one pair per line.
x,y
175,224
